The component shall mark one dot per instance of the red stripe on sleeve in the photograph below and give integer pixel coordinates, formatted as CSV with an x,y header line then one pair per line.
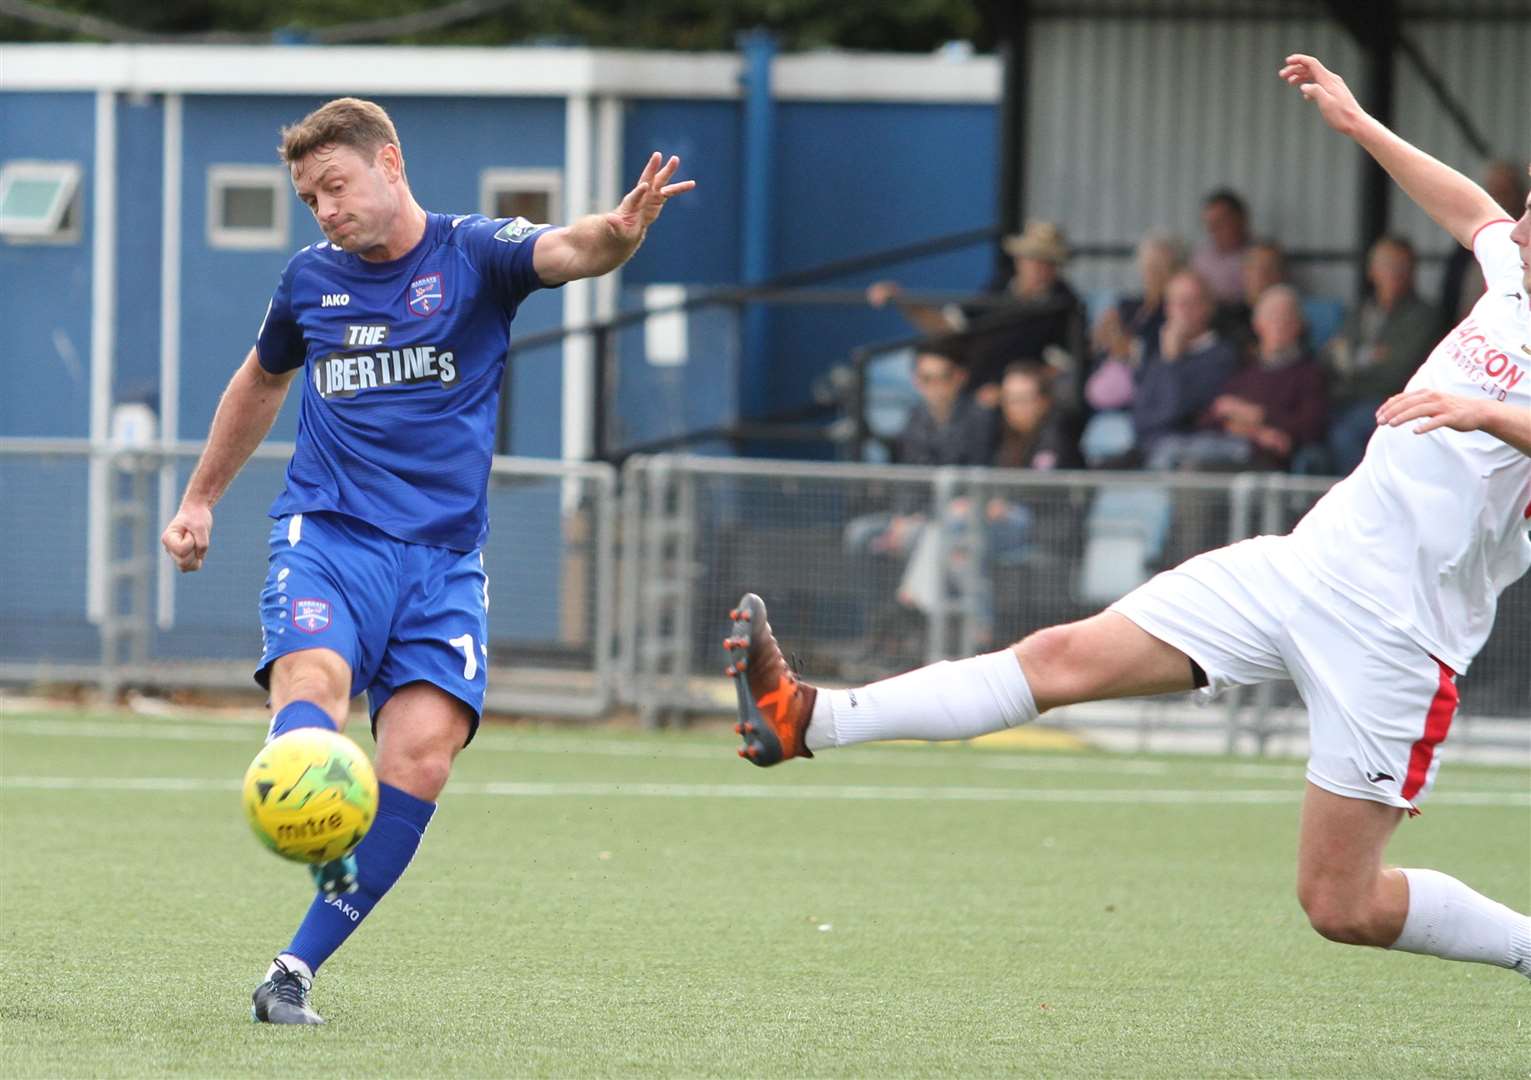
x,y
1437,723
1474,241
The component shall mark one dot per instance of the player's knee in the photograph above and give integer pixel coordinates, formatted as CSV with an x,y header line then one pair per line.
x,y
317,676
1044,657
422,774
1339,916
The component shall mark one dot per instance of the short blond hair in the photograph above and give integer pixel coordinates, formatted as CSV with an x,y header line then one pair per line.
x,y
348,121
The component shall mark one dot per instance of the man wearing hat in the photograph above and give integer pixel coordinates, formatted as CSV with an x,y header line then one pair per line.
x,y
1031,316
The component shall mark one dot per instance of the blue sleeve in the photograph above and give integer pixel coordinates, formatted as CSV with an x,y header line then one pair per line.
x,y
279,344
502,250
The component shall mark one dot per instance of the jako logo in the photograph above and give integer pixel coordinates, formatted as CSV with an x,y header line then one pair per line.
x,y
335,299
344,908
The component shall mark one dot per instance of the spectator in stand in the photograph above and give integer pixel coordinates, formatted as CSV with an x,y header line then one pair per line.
x,y
1034,434
1184,370
1462,283
946,427
1269,409
1038,316
1220,260
1382,343
1122,329
1264,265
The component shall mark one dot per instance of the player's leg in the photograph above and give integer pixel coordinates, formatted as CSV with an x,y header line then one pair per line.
x,y
1379,708
426,696
420,730
1351,897
310,688
324,620
1206,610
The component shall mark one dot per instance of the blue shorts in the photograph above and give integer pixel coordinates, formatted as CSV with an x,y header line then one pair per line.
x,y
397,612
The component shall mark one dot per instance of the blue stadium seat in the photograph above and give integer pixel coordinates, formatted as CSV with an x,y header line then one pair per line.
x,y
1324,317
1125,534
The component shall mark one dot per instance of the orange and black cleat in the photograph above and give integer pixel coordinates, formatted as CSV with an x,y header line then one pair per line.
x,y
774,706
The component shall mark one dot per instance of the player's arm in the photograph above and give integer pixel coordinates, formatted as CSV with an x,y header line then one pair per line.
x,y
1457,204
245,414
1509,423
599,243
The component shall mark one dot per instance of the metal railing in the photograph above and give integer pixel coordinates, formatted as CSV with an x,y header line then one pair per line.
x,y
989,556
609,590
551,564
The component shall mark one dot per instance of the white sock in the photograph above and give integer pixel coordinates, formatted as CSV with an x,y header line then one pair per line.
x,y
949,700
293,964
1449,920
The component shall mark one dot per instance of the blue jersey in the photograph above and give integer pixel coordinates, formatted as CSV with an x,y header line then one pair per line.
x,y
404,361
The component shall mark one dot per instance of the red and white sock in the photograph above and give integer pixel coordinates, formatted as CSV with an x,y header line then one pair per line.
x,y
954,699
1449,920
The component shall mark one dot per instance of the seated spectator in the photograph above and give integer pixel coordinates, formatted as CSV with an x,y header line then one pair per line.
x,y
1184,370
1033,435
1220,258
1380,346
1266,411
1120,332
1462,281
1038,319
1264,265
946,427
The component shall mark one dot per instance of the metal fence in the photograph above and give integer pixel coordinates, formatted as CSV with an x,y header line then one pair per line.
x,y
91,598
868,570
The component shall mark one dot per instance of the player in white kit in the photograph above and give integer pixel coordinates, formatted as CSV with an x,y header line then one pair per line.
x,y
1373,605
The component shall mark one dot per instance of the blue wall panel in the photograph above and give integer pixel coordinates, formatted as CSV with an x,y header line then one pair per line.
x,y
140,164
855,178
45,304
695,243
697,239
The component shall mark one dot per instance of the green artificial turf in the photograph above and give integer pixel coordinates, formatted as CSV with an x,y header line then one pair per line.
x,y
601,903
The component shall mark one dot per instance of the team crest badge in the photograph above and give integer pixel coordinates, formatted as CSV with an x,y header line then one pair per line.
x,y
425,295
516,230
311,616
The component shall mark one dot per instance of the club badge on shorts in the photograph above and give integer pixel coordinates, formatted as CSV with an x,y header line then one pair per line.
x,y
425,295
311,616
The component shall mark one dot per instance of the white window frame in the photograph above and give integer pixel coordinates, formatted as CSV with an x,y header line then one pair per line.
x,y
544,181
219,235
51,228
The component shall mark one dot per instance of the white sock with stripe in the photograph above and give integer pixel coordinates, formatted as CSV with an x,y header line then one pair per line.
x,y
1450,920
949,700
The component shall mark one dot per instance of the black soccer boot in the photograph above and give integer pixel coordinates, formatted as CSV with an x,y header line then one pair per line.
x,y
283,999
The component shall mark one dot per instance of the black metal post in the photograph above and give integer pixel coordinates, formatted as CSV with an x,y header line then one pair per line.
x,y
1012,24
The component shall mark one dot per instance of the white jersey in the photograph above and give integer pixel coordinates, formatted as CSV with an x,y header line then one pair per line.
x,y
1430,529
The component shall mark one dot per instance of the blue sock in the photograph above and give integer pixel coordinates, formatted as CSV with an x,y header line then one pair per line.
x,y
380,860
299,714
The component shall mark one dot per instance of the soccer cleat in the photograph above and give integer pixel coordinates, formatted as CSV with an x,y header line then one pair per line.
x,y
283,998
336,877
774,705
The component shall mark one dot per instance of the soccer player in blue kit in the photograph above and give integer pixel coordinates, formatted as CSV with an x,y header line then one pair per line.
x,y
399,321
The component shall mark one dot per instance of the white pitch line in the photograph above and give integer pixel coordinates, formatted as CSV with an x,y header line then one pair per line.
x,y
594,747
1042,762
825,792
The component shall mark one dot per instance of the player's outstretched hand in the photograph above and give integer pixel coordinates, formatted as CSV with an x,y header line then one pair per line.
x,y
638,209
187,536
1336,104
1433,409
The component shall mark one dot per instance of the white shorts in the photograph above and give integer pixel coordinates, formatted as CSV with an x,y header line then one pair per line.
x,y
1378,704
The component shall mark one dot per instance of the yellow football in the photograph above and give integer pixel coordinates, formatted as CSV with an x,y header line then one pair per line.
x,y
310,795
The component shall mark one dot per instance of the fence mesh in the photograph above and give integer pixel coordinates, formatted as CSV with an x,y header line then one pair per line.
x,y
868,570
